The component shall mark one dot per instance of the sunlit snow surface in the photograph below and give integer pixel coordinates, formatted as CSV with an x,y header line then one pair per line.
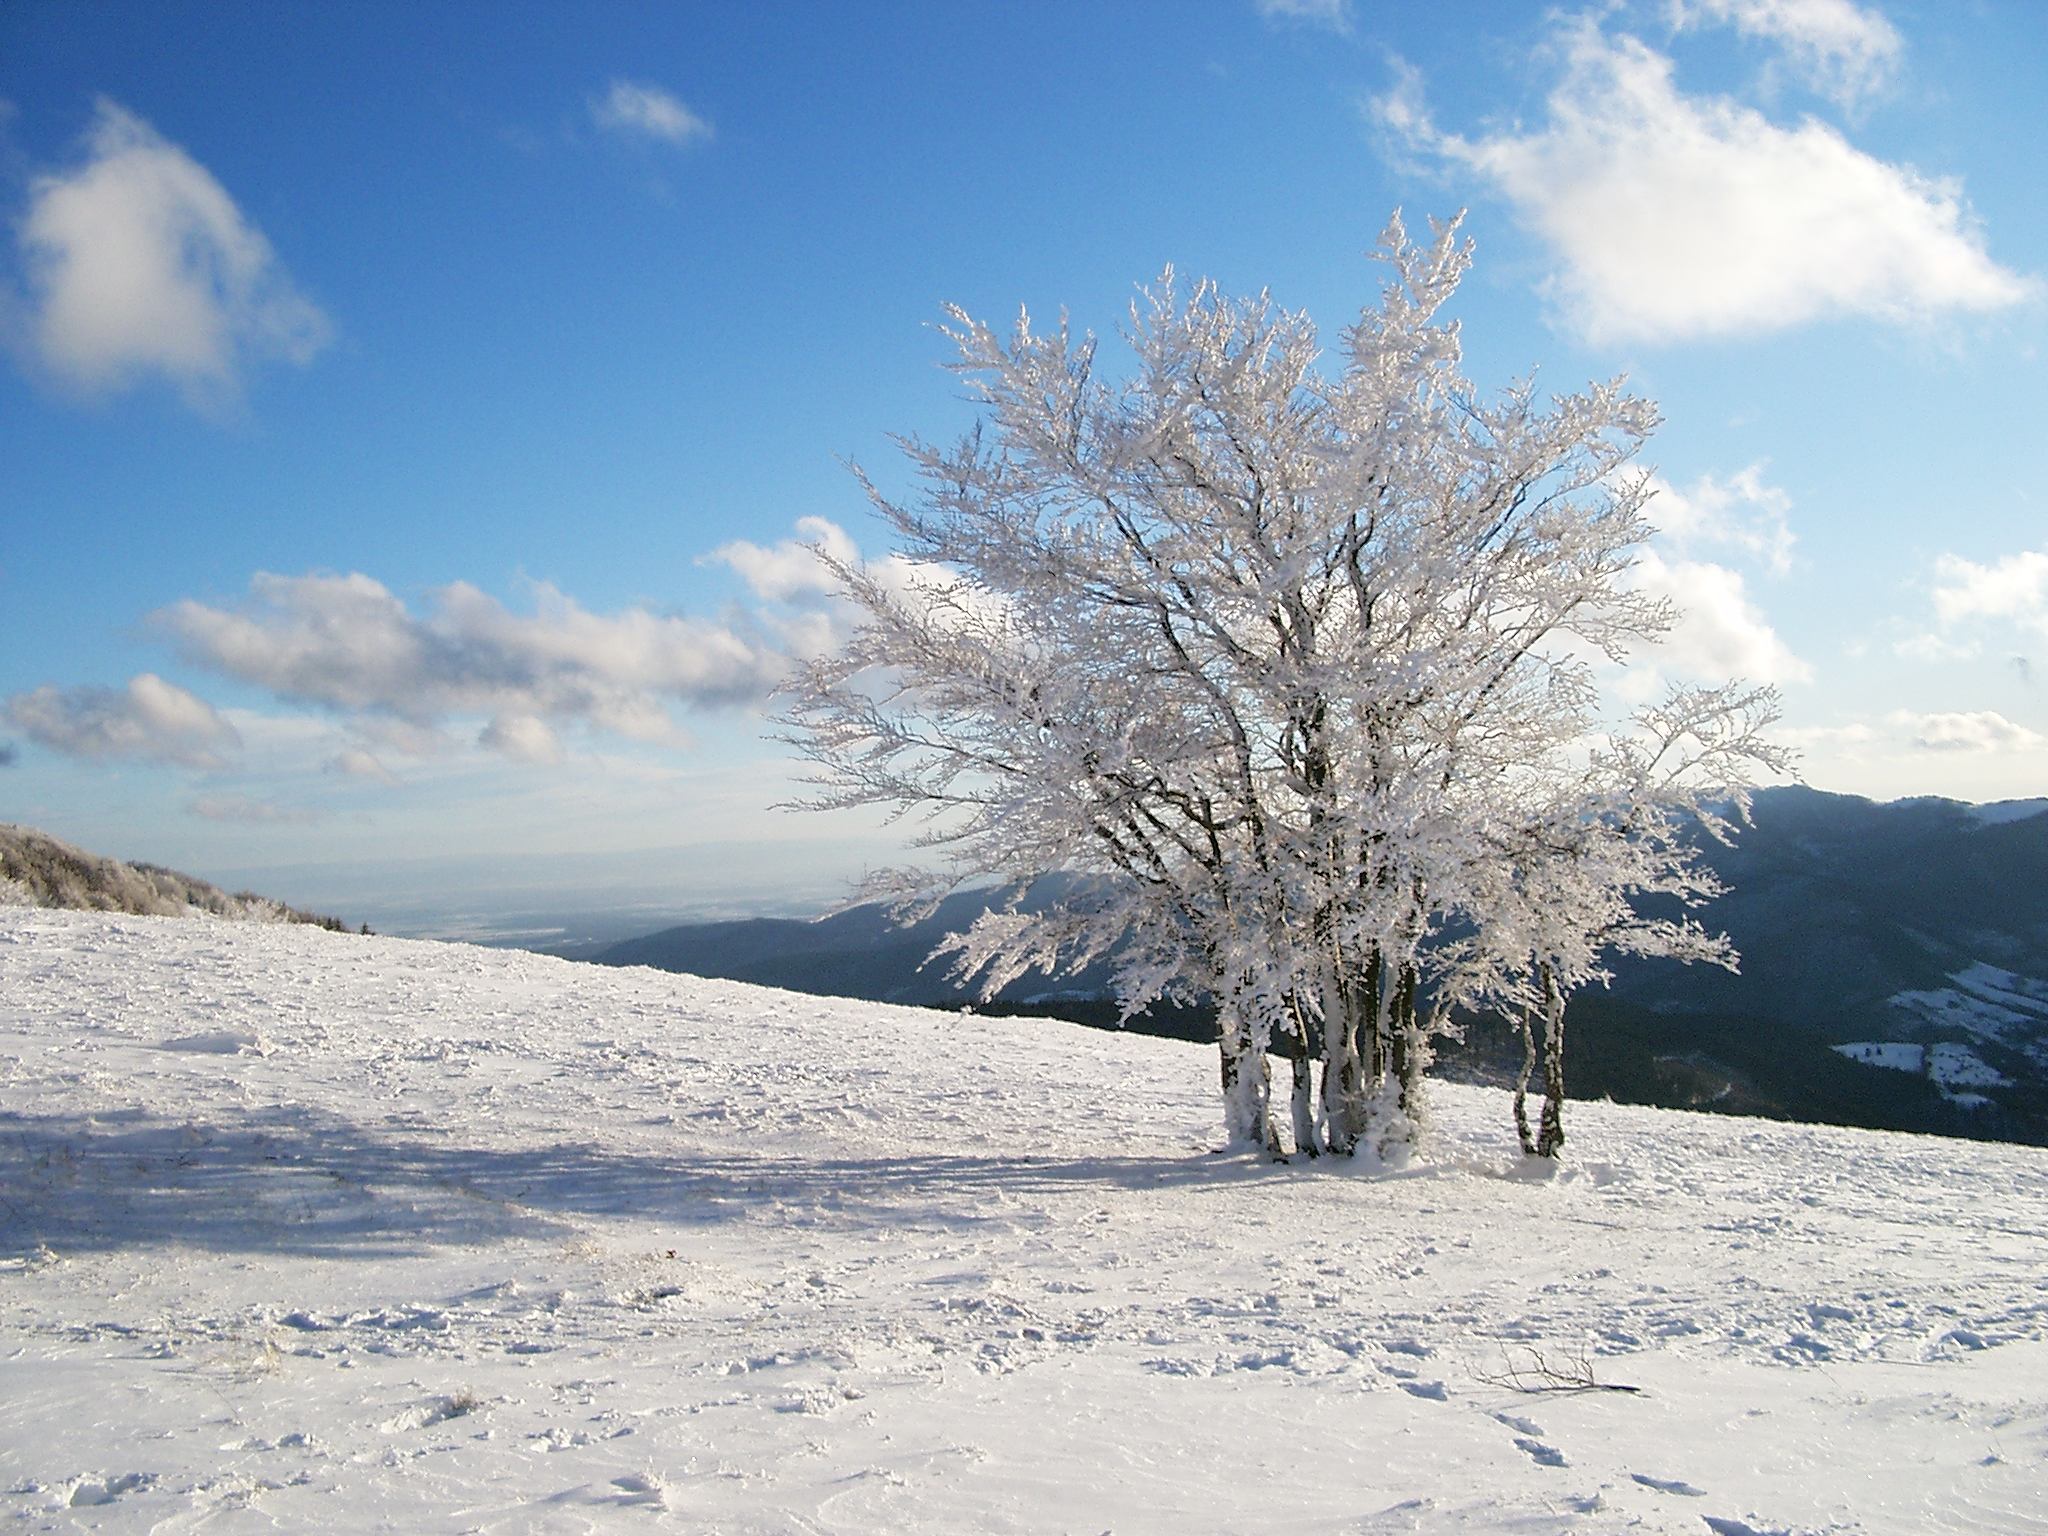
x,y
312,1232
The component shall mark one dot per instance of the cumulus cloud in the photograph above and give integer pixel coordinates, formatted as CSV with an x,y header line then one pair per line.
x,y
1968,596
1740,513
790,569
1969,755
347,642
527,738
355,763
2014,587
247,809
1839,47
399,738
814,614
1720,631
1675,216
139,263
647,111
150,720
1928,646
1979,731
1335,14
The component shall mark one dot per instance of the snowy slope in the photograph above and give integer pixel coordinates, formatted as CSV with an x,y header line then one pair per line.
x,y
305,1231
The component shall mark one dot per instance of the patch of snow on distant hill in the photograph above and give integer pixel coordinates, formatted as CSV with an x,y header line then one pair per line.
x,y
2004,988
1899,1056
1954,1069
1948,1008
1958,1066
1987,1002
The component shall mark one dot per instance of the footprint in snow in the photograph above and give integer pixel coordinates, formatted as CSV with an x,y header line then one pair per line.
x,y
635,1489
426,1415
89,1491
1529,1441
225,1042
1670,1485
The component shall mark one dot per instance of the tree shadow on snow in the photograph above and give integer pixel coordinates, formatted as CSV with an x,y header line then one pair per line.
x,y
290,1181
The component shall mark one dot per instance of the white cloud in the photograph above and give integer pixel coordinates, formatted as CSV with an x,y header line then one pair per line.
x,y
1335,14
149,720
139,264
1977,755
349,643
1936,648
248,809
647,110
1979,731
791,568
1841,48
791,572
355,763
1720,632
2014,587
1806,739
1740,513
400,738
1970,598
1675,216
527,738
399,686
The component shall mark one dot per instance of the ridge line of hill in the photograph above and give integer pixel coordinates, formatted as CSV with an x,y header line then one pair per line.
x,y
38,870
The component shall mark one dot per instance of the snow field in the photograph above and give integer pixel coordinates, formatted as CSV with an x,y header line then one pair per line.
x,y
311,1231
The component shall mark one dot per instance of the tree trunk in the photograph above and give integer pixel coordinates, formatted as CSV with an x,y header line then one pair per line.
x,y
1372,1026
1306,1142
1343,1110
1522,1086
1399,1111
1247,1089
1382,1125
1411,1045
1551,1135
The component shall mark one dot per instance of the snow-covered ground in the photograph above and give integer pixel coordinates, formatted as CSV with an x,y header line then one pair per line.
x,y
313,1232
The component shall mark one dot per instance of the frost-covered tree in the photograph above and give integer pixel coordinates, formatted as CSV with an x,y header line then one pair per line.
x,y
1596,856
1266,653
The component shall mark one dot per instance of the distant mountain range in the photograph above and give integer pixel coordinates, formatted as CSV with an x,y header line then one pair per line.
x,y
1894,974
38,870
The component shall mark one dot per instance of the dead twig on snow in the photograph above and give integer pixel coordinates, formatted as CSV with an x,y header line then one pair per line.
x,y
1541,1374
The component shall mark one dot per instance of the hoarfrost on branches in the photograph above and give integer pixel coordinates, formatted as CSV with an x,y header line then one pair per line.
x,y
1291,674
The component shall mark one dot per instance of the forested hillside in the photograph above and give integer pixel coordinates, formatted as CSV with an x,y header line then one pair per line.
x,y
1918,923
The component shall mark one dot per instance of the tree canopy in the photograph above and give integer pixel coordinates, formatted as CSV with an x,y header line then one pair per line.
x,y
1300,669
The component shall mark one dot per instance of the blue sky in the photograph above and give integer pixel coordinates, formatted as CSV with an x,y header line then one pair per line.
x,y
405,409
